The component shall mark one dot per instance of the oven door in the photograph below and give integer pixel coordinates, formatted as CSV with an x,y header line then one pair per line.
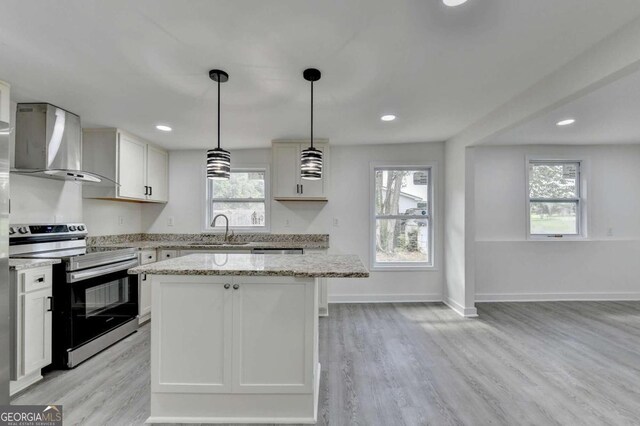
x,y
101,299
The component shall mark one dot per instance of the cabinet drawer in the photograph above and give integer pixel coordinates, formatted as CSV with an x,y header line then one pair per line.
x,y
168,254
147,256
35,279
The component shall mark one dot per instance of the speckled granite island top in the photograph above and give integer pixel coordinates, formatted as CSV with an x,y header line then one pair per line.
x,y
22,264
305,265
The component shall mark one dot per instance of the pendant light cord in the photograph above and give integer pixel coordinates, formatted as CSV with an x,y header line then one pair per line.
x,y
218,111
312,114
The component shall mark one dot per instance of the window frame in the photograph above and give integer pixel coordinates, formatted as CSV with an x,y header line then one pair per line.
x,y
208,201
431,169
580,200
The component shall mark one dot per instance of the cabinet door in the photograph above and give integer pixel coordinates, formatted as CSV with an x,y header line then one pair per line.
x,y
157,174
273,335
132,171
286,170
192,332
317,188
5,114
144,296
37,330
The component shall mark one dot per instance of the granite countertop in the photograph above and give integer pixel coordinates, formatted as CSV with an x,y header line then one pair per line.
x,y
301,265
22,264
184,245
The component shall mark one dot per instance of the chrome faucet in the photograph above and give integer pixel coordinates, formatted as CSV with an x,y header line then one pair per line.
x,y
227,237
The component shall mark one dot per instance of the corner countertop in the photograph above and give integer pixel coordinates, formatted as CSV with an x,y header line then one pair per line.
x,y
300,265
199,245
22,264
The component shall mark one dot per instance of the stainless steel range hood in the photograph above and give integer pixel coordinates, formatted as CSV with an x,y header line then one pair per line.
x,y
49,144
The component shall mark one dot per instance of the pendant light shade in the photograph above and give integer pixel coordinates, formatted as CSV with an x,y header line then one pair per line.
x,y
311,158
218,160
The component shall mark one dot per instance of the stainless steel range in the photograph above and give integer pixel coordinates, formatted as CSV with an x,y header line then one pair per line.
x,y
95,301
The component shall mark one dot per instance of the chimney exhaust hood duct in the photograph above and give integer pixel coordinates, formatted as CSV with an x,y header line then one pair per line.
x,y
49,144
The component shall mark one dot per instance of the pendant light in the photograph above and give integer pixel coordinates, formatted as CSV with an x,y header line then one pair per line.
x,y
311,158
218,160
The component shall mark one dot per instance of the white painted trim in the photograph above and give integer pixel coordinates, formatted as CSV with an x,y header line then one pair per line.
x,y
385,298
459,309
16,386
550,297
432,167
218,420
264,167
583,206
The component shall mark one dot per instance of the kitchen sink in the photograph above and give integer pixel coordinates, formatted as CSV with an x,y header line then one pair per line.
x,y
231,243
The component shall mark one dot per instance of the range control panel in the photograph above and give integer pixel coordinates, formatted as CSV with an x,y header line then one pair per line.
x,y
47,229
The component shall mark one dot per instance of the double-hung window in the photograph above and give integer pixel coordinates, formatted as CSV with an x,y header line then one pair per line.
x,y
402,217
555,198
243,199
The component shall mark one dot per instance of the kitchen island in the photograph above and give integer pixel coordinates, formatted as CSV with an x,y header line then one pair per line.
x,y
234,337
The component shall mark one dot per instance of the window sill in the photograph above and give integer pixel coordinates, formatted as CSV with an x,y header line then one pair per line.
x,y
237,231
563,238
403,268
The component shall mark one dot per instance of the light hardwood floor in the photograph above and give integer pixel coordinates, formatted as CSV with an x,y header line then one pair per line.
x,y
567,363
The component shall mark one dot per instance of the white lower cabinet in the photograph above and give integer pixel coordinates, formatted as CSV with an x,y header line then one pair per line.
x,y
233,348
31,293
144,287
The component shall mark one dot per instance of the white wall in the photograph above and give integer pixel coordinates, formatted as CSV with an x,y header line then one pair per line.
x,y
604,266
39,200
349,188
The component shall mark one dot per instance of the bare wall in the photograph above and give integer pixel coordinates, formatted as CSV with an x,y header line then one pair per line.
x,y
603,266
348,203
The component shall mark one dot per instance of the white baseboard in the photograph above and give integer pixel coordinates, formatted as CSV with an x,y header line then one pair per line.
x,y
384,298
550,297
459,309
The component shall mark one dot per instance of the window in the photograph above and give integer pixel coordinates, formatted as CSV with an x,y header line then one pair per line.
x,y
242,198
402,225
555,205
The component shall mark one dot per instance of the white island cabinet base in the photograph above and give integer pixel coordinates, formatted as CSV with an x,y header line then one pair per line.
x,y
234,355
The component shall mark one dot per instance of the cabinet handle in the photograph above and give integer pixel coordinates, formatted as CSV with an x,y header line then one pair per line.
x,y
151,190
297,188
226,286
236,286
302,189
144,277
50,304
40,280
150,256
146,190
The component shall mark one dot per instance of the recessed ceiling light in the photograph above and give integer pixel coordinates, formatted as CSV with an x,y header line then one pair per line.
x,y
566,122
163,128
453,3
388,117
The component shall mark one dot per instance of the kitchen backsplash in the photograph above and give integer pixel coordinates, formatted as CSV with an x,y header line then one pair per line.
x,y
261,237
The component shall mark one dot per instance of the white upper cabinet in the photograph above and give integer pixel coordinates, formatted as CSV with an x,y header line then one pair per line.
x,y
5,114
141,168
287,183
157,174
132,173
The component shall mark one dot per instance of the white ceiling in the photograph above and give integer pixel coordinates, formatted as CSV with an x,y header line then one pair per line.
x,y
608,115
135,64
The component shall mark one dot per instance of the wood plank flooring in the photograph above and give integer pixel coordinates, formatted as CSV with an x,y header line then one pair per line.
x,y
557,363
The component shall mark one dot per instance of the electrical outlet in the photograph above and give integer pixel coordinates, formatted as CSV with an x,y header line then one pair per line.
x,y
170,221
120,220
609,232
336,222
287,223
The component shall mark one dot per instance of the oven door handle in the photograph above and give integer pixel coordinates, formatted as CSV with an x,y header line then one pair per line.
x,y
73,277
